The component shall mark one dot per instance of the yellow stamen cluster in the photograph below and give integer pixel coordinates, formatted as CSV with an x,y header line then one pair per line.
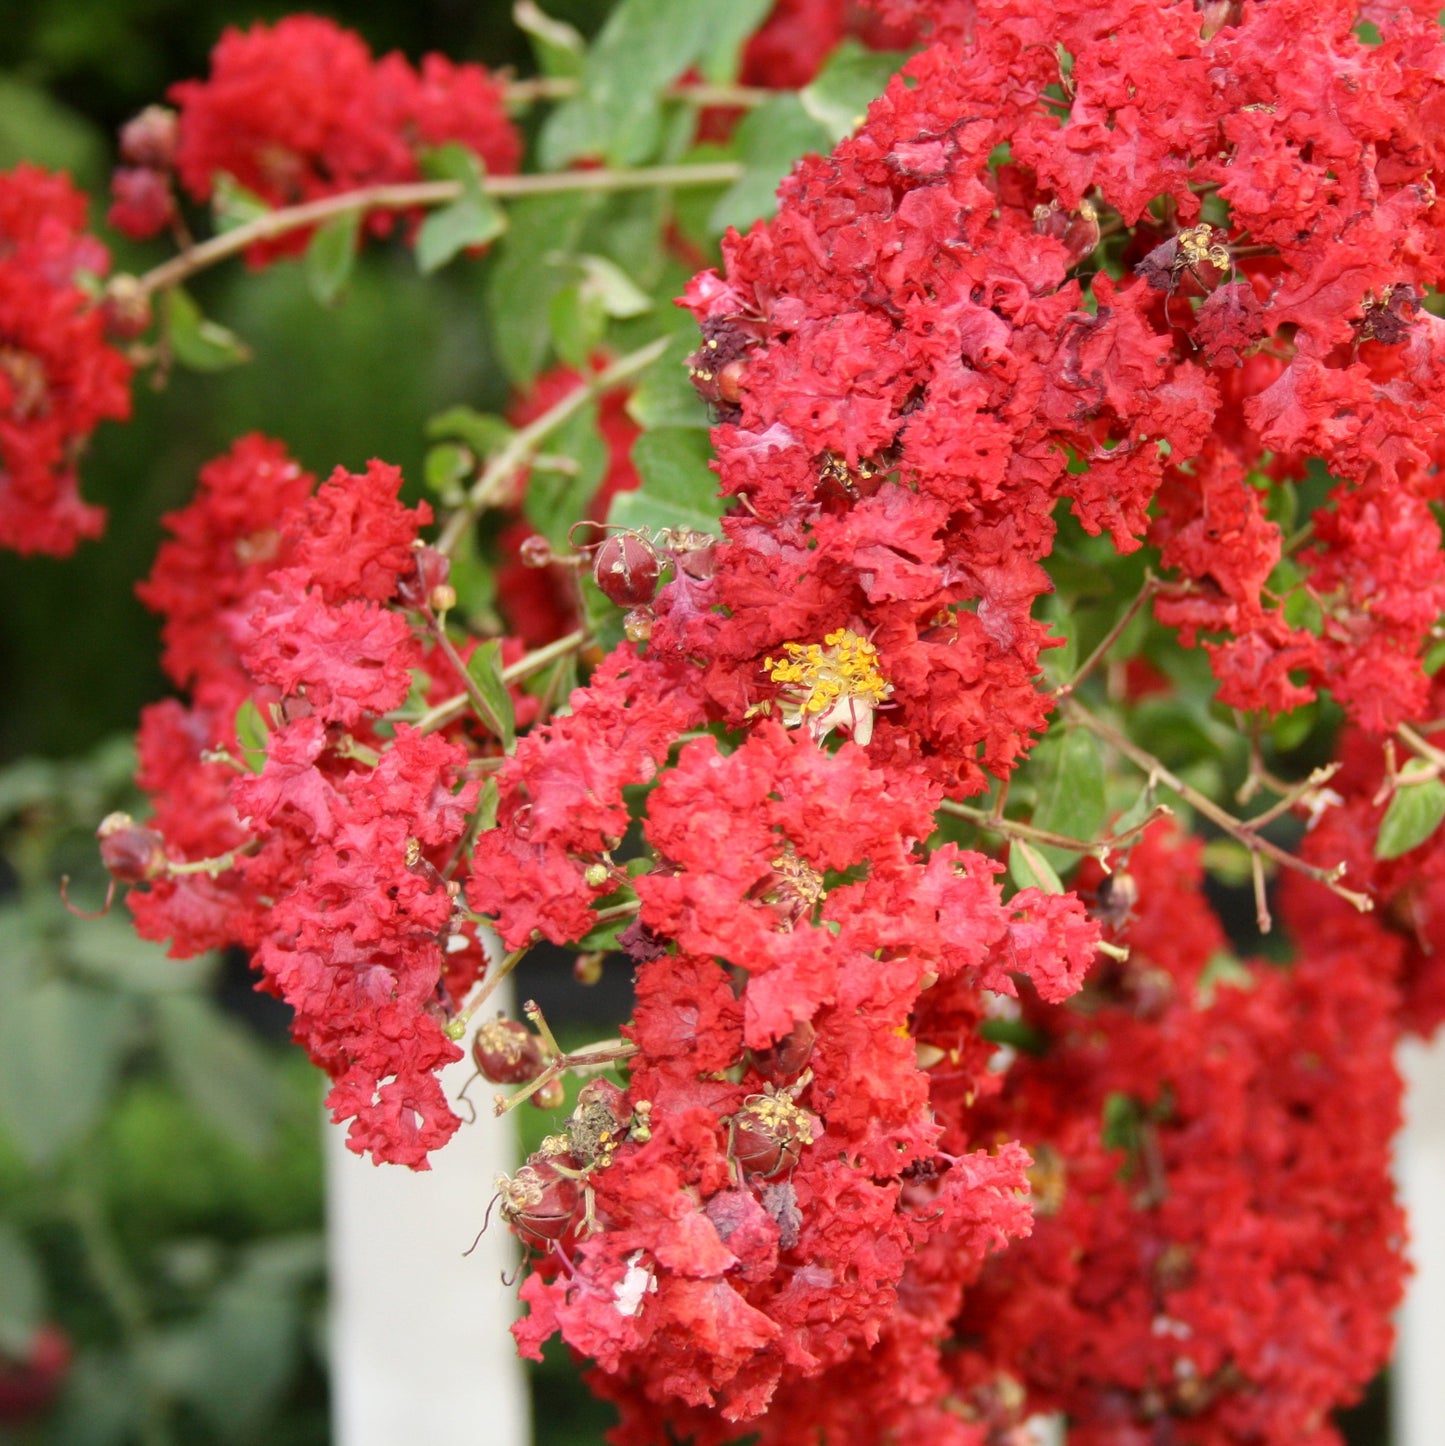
x,y
832,684
1197,243
780,1115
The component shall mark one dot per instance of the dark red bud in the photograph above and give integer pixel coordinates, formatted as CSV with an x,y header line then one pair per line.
x,y
149,139
626,569
129,851
430,570
539,1202
30,1384
769,1133
786,1059
126,308
507,1052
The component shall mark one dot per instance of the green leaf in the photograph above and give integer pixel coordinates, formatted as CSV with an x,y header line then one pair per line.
x,y
666,396
577,319
557,495
770,140
109,952
252,736
220,1069
1069,773
521,281
331,256
233,204
618,293
22,1292
853,78
484,432
484,668
644,46
1415,812
61,1047
1016,1033
1122,1122
473,219
558,48
732,25
678,490
488,800
201,345
446,467
1029,869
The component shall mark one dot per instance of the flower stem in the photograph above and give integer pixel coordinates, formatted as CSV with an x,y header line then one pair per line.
x,y
525,443
1243,832
403,197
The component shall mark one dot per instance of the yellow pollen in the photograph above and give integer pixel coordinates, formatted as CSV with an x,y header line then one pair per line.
x,y
830,684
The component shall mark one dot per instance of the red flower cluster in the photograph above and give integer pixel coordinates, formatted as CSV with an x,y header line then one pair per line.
x,y
302,110
59,378
332,859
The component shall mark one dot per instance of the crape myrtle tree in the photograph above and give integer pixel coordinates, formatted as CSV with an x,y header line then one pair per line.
x,y
1033,515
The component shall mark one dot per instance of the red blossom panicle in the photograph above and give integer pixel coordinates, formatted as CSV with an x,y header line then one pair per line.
x,y
319,838
301,110
561,808
223,544
765,1231
59,378
1217,1241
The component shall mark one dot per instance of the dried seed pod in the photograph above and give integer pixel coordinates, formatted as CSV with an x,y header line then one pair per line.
x,y
789,1056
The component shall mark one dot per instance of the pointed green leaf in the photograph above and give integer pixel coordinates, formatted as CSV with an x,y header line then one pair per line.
x,y
577,319
473,219
1029,869
331,256
770,140
678,490
853,78
201,345
22,1293
1415,812
559,49
61,1047
233,205
1068,767
220,1069
484,667
666,396
484,432
252,735
732,25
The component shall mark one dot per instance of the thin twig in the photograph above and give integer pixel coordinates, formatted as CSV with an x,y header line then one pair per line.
x,y
524,443
424,193
1150,587
1243,832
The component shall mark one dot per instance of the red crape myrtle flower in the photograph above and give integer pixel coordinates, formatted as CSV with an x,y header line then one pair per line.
x,y
327,852
58,376
301,110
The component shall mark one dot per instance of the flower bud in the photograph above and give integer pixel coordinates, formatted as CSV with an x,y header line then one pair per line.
x,y
149,139
769,1133
626,569
789,1056
637,625
126,307
131,852
552,1095
507,1052
429,572
540,1202
587,968
535,551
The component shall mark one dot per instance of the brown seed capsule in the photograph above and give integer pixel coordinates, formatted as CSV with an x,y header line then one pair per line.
x,y
131,852
626,569
507,1052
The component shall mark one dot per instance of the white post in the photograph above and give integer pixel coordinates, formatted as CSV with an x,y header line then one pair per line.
x,y
420,1350
1417,1381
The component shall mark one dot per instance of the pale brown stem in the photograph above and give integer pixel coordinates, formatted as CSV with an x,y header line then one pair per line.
x,y
1256,843
424,193
1150,587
